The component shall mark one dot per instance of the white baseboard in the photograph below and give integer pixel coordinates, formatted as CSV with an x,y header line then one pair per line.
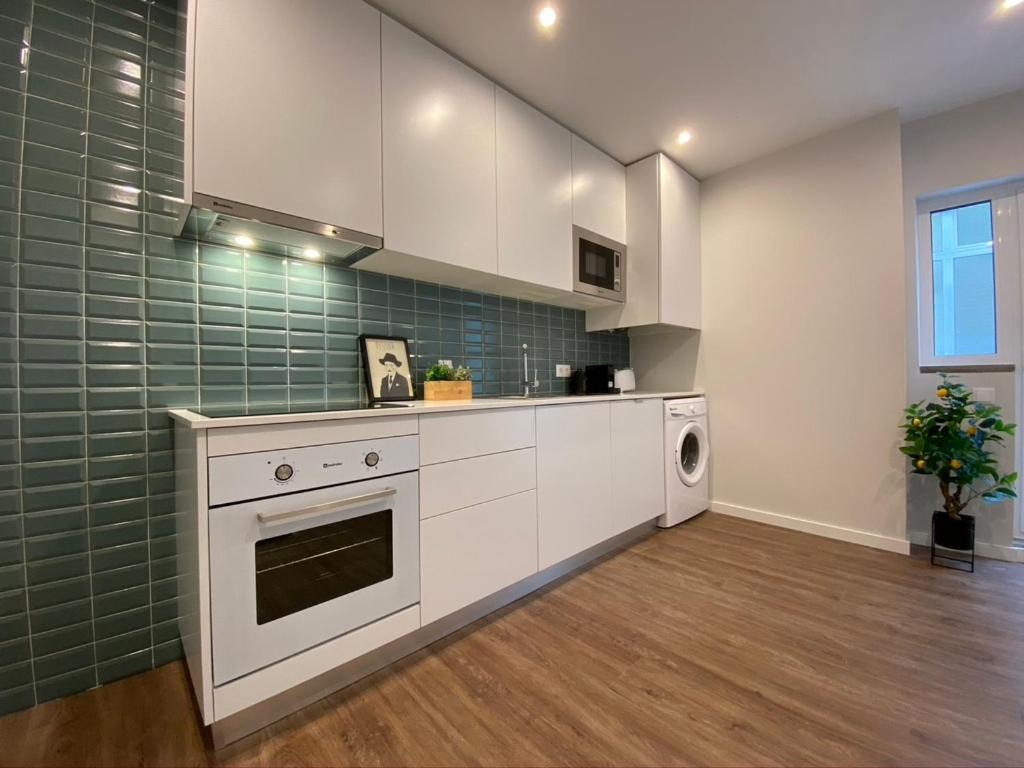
x,y
889,544
981,548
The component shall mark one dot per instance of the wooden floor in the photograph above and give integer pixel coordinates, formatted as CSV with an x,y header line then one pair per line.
x,y
722,642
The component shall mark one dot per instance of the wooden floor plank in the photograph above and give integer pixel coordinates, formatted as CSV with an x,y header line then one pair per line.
x,y
721,642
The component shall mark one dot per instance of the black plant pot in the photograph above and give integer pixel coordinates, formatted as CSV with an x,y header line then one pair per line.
x,y
953,533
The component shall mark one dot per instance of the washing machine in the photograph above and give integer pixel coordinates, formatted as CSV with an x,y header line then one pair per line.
x,y
686,460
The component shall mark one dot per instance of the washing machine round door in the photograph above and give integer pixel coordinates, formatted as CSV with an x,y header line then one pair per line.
x,y
692,453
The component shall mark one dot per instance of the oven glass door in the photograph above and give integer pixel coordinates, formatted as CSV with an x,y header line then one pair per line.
x,y
597,265
293,571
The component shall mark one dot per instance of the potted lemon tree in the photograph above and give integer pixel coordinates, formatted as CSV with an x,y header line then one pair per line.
x,y
951,438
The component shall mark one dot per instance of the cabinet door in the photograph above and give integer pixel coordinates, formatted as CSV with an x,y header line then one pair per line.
x,y
598,191
473,552
573,479
286,108
439,177
680,246
534,195
643,268
638,462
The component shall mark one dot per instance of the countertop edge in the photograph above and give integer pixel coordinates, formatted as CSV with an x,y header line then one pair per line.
x,y
194,420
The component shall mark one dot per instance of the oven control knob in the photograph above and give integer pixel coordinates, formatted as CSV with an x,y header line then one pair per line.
x,y
284,472
372,459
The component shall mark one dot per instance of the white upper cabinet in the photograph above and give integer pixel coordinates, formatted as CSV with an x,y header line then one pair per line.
x,y
439,154
663,261
598,191
680,246
534,166
285,108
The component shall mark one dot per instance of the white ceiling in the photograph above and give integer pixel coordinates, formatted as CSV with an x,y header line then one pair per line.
x,y
746,76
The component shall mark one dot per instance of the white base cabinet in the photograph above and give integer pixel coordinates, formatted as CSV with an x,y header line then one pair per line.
x,y
505,493
638,462
574,508
471,553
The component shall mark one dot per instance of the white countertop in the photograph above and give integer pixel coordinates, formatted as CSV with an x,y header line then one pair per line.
x,y
197,421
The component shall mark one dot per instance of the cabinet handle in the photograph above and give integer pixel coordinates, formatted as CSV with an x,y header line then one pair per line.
x,y
320,510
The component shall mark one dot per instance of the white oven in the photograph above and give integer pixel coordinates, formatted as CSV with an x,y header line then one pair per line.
x,y
307,544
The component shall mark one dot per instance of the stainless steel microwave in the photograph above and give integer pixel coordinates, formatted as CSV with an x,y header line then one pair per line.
x,y
600,265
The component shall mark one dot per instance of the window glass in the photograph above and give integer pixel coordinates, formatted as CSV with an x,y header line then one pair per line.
x,y
963,281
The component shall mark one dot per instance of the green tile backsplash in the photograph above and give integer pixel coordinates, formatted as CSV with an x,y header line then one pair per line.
x,y
106,321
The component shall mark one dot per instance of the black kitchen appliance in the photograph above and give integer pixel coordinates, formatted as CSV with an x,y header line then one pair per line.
x,y
599,380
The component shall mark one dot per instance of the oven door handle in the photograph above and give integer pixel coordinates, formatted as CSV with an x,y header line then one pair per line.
x,y
319,510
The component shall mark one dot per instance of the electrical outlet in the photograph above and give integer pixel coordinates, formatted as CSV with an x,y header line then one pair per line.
x,y
445,362
985,394
562,371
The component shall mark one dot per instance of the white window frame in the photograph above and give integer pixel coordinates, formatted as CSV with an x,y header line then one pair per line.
x,y
1006,237
1018,503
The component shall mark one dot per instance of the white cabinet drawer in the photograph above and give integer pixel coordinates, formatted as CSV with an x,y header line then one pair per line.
x,y
457,484
451,436
471,553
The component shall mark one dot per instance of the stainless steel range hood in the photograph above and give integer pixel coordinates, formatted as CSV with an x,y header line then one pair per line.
x,y
225,222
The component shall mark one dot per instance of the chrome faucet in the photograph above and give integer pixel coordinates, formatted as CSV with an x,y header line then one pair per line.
x,y
527,384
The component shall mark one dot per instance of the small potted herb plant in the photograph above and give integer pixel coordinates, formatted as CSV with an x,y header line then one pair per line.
x,y
447,383
951,439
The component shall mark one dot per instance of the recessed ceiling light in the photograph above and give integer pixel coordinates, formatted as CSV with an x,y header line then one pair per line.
x,y
548,16
311,253
685,136
244,240
1008,4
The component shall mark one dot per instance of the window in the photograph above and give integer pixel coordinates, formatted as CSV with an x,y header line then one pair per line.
x,y
969,287
963,281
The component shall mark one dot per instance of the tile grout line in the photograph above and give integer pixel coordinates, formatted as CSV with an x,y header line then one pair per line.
x,y
85,346
26,57
143,208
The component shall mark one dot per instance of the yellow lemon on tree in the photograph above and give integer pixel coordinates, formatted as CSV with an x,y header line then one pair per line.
x,y
972,431
955,463
943,392
920,464
916,422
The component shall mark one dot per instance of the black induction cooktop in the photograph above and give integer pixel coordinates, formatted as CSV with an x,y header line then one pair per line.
x,y
223,411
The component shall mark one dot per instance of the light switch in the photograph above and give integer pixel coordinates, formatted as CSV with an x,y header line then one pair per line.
x,y
985,394
562,371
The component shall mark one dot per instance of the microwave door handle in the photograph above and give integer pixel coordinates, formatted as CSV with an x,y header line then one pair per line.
x,y
321,510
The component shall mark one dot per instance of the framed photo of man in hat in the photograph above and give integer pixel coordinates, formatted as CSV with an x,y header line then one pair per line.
x,y
386,366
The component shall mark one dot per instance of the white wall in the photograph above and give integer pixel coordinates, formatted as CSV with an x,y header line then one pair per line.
x,y
664,359
803,347
973,145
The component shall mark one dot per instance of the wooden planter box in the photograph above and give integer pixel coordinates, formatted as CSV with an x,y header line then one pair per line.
x,y
448,390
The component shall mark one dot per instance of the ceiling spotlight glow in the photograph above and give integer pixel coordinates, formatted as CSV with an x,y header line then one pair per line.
x,y
1008,4
547,16
311,253
244,240
685,136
